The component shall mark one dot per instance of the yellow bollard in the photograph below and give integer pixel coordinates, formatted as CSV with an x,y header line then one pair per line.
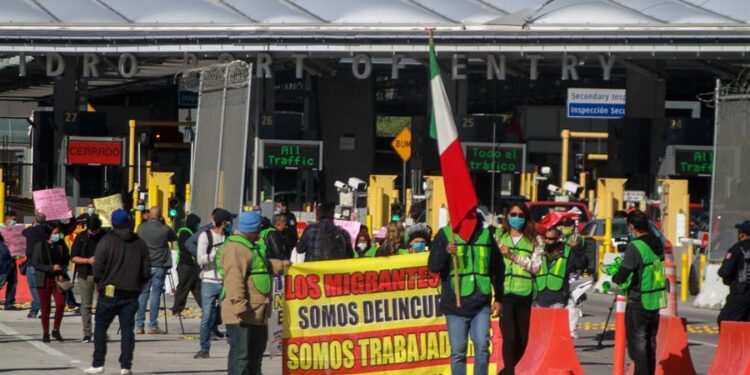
x,y
131,153
608,235
188,195
534,188
522,187
684,281
592,200
368,222
601,262
701,270
137,215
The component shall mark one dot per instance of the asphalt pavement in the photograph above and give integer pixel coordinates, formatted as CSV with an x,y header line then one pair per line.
x,y
22,352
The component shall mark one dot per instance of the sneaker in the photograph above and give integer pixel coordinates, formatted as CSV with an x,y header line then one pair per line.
x,y
87,338
45,338
11,308
218,333
201,354
56,335
32,315
126,371
155,331
139,331
94,370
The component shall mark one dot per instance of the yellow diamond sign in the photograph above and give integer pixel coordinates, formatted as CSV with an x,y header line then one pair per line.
x,y
402,144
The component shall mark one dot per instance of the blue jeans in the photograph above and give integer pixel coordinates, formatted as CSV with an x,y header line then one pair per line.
x,y
209,313
154,288
478,327
31,280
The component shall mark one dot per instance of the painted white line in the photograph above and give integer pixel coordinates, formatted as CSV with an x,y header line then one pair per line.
x,y
703,343
37,344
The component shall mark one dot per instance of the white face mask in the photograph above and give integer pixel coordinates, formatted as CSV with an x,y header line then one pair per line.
x,y
90,210
362,245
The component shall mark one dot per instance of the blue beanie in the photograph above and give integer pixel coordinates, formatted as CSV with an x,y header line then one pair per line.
x,y
120,217
249,222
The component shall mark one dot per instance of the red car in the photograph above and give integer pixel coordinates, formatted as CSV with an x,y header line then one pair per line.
x,y
540,209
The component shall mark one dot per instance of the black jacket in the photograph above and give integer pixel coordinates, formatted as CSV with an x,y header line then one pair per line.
x,y
276,244
191,222
44,256
33,236
84,246
122,259
732,264
440,262
632,263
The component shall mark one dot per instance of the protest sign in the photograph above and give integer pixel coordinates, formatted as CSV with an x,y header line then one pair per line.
x,y
376,316
351,227
15,240
52,203
105,206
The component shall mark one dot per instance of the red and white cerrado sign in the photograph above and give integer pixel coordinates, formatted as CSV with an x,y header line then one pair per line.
x,y
95,152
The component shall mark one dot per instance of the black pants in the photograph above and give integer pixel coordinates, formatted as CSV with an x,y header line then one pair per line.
x,y
246,346
190,282
641,326
107,308
737,307
514,324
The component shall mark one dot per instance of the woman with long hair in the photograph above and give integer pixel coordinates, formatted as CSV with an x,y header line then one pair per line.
x,y
50,262
364,247
522,253
394,240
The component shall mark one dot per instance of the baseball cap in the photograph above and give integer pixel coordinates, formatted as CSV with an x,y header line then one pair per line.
x,y
744,227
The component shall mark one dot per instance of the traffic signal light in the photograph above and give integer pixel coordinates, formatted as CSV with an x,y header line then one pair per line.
x,y
173,208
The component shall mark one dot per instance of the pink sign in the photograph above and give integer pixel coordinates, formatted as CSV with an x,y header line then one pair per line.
x,y
351,227
52,203
15,240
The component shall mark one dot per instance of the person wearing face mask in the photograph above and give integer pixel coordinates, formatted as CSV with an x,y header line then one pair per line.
x,y
90,209
82,254
211,280
50,262
364,247
735,273
522,255
290,231
641,274
417,240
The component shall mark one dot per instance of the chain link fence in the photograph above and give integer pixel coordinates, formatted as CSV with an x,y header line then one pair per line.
x,y
222,129
730,201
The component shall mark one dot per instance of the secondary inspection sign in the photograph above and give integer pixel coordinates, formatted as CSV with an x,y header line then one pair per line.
x,y
596,103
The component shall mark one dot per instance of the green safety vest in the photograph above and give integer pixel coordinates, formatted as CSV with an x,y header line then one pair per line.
x,y
518,281
260,274
403,252
554,278
179,231
264,233
370,253
473,264
653,280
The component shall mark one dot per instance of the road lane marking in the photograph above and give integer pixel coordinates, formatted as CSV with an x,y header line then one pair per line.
x,y
38,344
703,343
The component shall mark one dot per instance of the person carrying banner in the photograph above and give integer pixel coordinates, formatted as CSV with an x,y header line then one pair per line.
x,y
523,259
481,269
364,246
246,306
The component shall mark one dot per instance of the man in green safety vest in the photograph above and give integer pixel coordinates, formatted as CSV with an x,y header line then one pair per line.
x,y
272,236
480,269
642,272
552,279
188,272
246,308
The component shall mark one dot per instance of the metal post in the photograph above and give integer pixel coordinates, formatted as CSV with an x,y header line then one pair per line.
x,y
138,161
221,137
131,152
188,196
565,134
403,181
701,271
684,276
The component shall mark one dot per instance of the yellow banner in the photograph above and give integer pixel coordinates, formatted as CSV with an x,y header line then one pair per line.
x,y
368,315
104,207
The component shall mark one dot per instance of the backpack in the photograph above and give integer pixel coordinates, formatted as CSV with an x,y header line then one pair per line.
x,y
191,244
333,243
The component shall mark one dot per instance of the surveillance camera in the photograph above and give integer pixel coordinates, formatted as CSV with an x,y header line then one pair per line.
x,y
357,184
339,185
546,170
572,187
553,188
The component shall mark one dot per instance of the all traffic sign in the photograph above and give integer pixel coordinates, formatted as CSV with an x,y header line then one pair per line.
x,y
402,144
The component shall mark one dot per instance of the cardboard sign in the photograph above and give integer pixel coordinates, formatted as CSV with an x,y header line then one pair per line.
x,y
15,240
351,227
52,203
105,206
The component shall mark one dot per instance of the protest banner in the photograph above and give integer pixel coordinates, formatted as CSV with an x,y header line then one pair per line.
x,y
15,240
378,316
105,206
275,323
52,203
351,227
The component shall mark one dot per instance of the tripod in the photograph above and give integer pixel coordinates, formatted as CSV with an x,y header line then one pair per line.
x,y
606,324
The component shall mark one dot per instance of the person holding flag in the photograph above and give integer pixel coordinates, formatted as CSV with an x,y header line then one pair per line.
x,y
463,253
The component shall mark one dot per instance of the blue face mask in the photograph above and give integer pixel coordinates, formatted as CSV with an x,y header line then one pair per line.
x,y
516,222
419,247
55,237
228,228
13,222
141,207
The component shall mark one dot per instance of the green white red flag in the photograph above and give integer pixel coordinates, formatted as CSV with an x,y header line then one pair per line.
x,y
459,189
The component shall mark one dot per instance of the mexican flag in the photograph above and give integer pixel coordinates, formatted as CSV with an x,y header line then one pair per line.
x,y
459,190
